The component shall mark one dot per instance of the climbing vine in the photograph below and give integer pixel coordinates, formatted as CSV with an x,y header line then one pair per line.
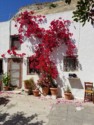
x,y
57,35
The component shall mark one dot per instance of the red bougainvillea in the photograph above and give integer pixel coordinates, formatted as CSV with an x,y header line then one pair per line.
x,y
3,55
57,34
12,51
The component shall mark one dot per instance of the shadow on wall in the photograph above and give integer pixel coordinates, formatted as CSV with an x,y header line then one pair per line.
x,y
30,45
18,119
80,66
33,43
60,85
75,83
57,58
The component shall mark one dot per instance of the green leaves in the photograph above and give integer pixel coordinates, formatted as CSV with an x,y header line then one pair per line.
x,y
6,79
68,1
82,11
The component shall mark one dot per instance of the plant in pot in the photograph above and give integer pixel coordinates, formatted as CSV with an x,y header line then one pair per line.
x,y
29,85
44,83
26,84
68,93
54,86
47,81
6,80
32,86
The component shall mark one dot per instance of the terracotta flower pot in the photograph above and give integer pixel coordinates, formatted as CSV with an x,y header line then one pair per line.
x,y
36,93
68,95
54,91
45,90
6,88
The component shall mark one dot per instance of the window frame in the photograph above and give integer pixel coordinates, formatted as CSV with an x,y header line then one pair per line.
x,y
11,41
68,68
28,68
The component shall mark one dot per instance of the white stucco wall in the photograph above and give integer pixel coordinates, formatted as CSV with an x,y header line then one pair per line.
x,y
4,41
83,37
4,37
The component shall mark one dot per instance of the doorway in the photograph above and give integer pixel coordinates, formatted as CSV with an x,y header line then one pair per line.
x,y
15,72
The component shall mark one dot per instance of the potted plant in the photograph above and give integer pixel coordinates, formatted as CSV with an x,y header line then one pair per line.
x,y
6,80
67,93
54,88
53,85
29,85
47,82
44,83
26,84
32,86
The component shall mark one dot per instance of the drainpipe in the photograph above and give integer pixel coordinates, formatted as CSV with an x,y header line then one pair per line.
x,y
9,31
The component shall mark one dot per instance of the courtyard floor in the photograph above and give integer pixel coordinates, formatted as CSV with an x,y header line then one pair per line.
x,y
23,109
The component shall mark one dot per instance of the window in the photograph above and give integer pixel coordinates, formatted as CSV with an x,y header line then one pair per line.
x,y
14,42
31,70
70,63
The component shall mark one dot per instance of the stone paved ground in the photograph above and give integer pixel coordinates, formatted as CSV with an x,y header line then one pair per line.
x,y
20,109
69,114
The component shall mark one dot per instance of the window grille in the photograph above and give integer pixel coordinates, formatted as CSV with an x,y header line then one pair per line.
x,y
70,63
14,42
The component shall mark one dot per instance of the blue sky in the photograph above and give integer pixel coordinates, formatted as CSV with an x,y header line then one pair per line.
x,y
9,7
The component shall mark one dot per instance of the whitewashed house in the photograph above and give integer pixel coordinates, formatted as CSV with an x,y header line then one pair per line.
x,y
19,67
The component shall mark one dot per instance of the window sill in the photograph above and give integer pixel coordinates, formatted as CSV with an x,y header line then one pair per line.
x,y
32,74
71,71
74,78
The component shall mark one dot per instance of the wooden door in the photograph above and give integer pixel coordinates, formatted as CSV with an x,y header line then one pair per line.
x,y
15,71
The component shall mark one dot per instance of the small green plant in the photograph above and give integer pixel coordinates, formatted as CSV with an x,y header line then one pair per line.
x,y
6,79
67,89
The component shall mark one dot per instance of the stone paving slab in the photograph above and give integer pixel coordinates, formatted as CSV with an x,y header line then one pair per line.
x,y
67,114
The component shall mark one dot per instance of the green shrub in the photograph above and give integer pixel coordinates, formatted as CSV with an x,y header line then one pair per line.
x,y
30,85
52,5
6,79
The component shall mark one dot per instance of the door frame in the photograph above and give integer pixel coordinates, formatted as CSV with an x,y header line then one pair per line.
x,y
1,59
9,68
